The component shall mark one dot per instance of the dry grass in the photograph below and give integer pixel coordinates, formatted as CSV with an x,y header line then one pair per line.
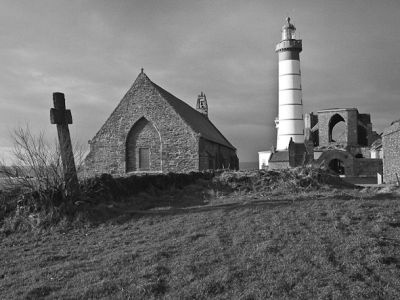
x,y
339,244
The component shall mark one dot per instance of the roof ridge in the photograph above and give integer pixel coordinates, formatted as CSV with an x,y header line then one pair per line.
x,y
195,120
165,91
162,91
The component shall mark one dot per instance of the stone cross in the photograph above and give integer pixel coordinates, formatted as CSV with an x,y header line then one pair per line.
x,y
62,117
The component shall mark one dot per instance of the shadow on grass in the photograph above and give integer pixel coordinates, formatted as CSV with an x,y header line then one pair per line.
x,y
194,199
381,196
124,214
40,292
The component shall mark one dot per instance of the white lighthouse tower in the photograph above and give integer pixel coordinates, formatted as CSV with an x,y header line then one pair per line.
x,y
290,121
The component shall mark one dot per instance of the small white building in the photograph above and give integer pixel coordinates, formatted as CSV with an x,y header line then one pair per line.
x,y
263,159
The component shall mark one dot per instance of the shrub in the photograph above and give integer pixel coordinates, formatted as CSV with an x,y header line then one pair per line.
x,y
36,165
34,183
286,180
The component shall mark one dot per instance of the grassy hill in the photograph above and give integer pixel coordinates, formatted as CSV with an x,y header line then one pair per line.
x,y
320,244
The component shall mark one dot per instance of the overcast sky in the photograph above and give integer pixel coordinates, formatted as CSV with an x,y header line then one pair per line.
x,y
93,50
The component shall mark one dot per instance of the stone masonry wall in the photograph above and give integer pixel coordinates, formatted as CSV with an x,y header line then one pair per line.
x,y
179,143
391,153
216,156
367,166
350,118
347,159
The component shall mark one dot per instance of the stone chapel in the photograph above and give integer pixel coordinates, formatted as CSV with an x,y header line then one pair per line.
x,y
152,131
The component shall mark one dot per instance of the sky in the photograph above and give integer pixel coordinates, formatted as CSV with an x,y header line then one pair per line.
x,y
93,50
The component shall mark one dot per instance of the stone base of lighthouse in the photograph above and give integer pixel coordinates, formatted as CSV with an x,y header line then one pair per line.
x,y
295,155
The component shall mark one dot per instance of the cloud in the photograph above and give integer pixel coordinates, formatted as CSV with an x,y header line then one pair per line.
x,y
93,51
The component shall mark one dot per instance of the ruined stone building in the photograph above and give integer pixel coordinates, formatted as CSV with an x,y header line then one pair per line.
x,y
341,139
391,153
153,131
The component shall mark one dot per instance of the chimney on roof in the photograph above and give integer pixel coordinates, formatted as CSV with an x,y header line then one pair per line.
x,y
201,105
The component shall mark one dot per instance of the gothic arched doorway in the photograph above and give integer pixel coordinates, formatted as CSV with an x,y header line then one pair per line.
x,y
143,147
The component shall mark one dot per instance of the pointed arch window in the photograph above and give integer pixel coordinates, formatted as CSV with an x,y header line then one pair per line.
x,y
143,147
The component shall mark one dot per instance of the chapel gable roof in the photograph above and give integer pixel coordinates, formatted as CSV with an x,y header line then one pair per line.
x,y
194,119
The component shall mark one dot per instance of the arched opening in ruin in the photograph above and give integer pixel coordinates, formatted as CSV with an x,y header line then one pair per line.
x,y
359,155
143,147
337,166
337,129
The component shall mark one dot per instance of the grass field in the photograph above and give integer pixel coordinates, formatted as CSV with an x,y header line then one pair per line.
x,y
316,245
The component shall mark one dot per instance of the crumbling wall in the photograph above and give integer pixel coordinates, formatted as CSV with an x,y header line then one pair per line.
x,y
350,119
346,158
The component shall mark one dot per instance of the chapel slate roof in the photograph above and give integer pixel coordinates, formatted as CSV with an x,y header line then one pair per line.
x,y
196,120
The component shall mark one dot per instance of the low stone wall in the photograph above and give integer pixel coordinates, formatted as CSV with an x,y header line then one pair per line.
x,y
360,179
367,166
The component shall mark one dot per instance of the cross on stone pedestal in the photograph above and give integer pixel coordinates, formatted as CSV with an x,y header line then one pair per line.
x,y
62,117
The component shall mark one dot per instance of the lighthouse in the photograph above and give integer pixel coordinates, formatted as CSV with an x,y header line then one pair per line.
x,y
290,121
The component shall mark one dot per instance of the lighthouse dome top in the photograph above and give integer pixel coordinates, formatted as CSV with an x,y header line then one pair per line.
x,y
288,24
288,30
